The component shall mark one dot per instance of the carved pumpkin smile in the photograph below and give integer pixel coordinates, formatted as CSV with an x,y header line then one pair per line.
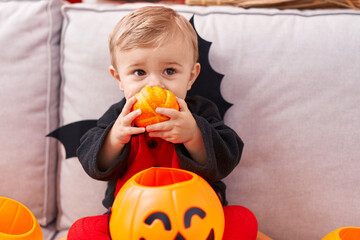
x,y
165,203
187,221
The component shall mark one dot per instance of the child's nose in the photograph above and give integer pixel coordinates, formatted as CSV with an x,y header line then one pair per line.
x,y
155,81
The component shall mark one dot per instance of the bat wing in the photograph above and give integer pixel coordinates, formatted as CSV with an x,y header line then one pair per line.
x,y
208,82
69,135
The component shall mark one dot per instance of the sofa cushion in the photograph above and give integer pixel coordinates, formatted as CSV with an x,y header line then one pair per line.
x,y
292,77
29,78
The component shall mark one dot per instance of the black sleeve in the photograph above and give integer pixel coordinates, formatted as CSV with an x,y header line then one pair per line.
x,y
223,148
223,145
91,142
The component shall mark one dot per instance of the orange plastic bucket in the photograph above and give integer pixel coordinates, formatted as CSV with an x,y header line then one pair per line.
x,y
17,221
346,233
166,203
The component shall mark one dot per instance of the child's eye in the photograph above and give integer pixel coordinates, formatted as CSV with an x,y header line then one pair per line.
x,y
139,72
169,71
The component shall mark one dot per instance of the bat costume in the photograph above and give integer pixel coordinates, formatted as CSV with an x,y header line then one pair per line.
x,y
223,148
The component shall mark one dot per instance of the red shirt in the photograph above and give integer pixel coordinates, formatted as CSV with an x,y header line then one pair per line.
x,y
148,152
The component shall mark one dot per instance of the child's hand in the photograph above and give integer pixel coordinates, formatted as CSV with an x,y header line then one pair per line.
x,y
179,128
119,135
123,127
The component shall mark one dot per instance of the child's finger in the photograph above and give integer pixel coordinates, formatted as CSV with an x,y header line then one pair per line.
x,y
182,104
162,126
128,105
155,134
129,118
169,112
136,130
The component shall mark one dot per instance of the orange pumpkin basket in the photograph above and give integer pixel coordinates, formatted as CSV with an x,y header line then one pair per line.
x,y
166,203
346,233
17,221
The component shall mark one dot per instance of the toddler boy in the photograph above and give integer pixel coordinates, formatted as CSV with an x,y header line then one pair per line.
x,y
155,46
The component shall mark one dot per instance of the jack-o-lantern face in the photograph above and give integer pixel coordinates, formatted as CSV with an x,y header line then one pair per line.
x,y
164,218
164,203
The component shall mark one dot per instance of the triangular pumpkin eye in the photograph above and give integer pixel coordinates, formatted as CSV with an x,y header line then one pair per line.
x,y
162,217
191,212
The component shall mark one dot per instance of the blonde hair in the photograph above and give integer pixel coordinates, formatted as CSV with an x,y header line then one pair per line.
x,y
150,26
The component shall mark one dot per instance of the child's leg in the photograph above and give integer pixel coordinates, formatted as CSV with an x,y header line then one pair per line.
x,y
240,223
90,228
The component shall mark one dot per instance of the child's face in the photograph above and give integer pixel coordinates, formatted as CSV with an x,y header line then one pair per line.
x,y
170,66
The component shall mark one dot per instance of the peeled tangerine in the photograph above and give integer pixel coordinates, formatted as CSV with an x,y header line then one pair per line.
x,y
148,99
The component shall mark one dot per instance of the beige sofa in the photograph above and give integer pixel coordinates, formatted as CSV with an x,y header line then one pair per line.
x,y
293,78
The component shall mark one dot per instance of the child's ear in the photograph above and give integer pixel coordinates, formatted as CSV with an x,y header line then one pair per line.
x,y
115,74
194,74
